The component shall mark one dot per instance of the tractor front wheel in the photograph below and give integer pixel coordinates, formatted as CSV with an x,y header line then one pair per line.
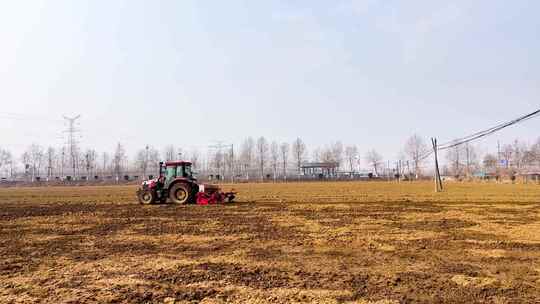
x,y
147,197
180,194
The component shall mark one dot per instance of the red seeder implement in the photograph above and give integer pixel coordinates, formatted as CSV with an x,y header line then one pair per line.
x,y
217,197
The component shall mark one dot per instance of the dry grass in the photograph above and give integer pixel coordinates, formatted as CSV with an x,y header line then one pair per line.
x,y
311,242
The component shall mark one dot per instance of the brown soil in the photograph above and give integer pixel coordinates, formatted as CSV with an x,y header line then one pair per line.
x,y
388,244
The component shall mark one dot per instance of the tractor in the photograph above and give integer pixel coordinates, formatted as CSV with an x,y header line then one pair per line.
x,y
176,183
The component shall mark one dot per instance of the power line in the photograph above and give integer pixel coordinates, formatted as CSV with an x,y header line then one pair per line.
x,y
488,132
460,141
22,117
475,136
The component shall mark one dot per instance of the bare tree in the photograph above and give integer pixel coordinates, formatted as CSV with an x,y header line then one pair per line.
x,y
337,153
146,160
170,153
415,148
317,154
10,162
50,157
182,155
81,163
73,159
35,156
284,149
230,161
535,153
262,151
6,163
25,159
142,160
374,159
105,159
90,158
506,156
274,158
519,156
490,162
401,165
218,162
351,155
2,157
299,150
471,159
195,156
529,158
327,155
332,153
455,157
118,161
153,161
62,162
246,155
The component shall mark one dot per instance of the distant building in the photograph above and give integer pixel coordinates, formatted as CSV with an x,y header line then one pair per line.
x,y
530,176
320,170
486,175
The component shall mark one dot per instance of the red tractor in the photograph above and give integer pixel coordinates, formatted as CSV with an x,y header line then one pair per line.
x,y
176,183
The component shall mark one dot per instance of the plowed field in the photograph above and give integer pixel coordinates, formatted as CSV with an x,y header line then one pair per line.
x,y
280,243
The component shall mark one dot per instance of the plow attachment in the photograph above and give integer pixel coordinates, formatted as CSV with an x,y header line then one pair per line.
x,y
211,194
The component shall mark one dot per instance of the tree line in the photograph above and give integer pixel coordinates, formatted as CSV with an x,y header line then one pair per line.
x,y
260,159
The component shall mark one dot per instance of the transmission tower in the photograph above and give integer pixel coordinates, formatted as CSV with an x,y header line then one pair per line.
x,y
72,143
219,147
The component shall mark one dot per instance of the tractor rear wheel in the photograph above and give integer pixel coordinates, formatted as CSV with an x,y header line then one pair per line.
x,y
180,194
147,197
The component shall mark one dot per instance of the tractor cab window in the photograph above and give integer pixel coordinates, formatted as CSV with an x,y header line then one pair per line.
x,y
187,171
170,173
180,171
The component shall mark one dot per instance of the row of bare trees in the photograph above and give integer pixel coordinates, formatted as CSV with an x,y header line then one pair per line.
x,y
40,162
256,159
517,157
259,158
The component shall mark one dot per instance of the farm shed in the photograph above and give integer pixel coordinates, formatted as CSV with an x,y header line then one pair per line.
x,y
320,170
531,176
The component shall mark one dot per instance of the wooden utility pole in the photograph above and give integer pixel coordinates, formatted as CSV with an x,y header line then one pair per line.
x,y
438,180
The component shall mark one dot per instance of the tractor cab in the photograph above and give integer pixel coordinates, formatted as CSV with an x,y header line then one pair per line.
x,y
175,170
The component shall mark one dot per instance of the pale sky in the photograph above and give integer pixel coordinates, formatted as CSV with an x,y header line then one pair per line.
x,y
187,73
